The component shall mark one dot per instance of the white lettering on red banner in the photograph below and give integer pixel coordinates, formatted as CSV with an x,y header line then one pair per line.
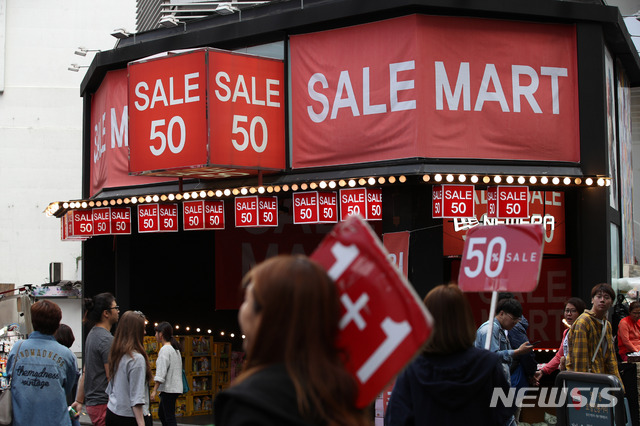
x,y
67,228
268,211
374,204
101,221
82,223
492,201
449,101
383,322
436,201
458,201
328,207
168,217
305,207
214,214
502,258
121,220
246,209
512,202
363,201
148,218
193,215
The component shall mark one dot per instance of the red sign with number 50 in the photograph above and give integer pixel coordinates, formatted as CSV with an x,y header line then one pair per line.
x,y
502,258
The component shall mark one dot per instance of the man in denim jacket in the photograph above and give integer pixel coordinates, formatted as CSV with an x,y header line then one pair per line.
x,y
42,372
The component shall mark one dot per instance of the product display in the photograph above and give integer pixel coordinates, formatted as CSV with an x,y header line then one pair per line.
x,y
207,365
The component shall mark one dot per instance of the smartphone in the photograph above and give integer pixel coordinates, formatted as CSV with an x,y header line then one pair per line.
x,y
536,343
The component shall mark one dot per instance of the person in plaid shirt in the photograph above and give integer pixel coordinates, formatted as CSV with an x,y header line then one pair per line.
x,y
591,348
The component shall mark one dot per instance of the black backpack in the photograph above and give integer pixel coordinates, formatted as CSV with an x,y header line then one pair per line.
x,y
620,310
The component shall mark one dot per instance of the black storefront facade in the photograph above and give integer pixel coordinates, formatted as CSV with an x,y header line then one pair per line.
x,y
181,276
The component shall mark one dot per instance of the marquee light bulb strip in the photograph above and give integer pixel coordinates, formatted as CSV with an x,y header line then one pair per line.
x,y
435,178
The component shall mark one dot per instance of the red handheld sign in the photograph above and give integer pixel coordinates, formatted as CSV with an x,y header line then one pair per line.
x,y
384,323
502,258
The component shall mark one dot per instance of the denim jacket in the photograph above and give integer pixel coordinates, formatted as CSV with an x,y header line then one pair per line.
x,y
499,343
44,375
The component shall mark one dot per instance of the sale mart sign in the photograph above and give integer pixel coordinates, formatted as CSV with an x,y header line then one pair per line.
x,y
157,218
200,215
502,258
315,207
256,211
210,112
457,201
366,202
508,202
384,323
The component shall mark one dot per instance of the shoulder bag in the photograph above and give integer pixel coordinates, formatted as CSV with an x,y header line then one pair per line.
x,y
6,409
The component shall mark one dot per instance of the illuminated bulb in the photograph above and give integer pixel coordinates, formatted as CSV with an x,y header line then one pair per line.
x,y
342,183
209,331
533,180
127,201
134,200
438,177
222,333
521,180
253,190
544,180
285,188
198,330
218,193
474,179
578,181
372,181
91,204
178,197
497,179
426,178
171,197
600,182
232,335
352,183
65,205
555,180
112,202
186,195
449,178
235,191
243,336
380,181
147,198
402,179
313,185
155,324
203,194
163,198
510,179
269,189
361,181
322,185
227,192
187,328
332,184
304,186
261,190
566,181
84,204
156,198
486,179
392,179
462,178
177,327
607,182
194,195
277,188
210,193
244,191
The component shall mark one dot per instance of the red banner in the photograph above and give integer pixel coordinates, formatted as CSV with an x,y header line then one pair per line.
x,y
109,162
419,86
397,244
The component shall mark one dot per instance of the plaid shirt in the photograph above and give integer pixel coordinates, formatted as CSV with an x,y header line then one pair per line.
x,y
584,336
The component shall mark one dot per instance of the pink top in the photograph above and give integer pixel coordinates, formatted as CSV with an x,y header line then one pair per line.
x,y
553,365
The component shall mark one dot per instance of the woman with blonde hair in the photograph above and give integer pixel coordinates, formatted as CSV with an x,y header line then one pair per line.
x,y
130,374
294,373
452,381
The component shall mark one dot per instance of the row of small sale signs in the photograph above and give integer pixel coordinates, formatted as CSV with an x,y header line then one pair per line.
x,y
503,201
250,211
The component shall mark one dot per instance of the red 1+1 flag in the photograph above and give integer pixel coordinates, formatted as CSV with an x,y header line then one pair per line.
x,y
384,322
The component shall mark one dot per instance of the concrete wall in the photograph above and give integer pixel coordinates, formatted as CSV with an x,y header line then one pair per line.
x,y
40,124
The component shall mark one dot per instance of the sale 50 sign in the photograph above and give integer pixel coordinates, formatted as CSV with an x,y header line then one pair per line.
x,y
207,113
